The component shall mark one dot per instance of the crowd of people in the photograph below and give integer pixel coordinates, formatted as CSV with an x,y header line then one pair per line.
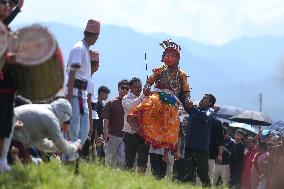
x,y
156,128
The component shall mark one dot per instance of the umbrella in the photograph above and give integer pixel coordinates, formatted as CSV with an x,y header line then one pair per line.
x,y
244,126
252,118
225,112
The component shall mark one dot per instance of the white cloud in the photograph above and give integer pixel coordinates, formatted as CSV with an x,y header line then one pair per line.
x,y
208,21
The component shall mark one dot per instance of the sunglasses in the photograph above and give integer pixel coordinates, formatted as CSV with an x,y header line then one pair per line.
x,y
5,2
124,88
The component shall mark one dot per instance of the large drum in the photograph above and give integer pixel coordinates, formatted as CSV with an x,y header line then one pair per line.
x,y
39,72
4,39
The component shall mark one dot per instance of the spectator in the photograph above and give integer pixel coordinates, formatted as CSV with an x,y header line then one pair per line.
x,y
112,125
79,72
178,167
236,162
197,139
259,165
216,146
249,154
98,107
133,142
94,58
223,170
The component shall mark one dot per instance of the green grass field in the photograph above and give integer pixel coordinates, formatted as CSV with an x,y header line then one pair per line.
x,y
54,175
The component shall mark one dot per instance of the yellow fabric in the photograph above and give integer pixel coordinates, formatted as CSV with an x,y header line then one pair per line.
x,y
159,122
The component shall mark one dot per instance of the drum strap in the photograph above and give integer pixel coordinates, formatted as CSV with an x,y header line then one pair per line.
x,y
81,104
80,85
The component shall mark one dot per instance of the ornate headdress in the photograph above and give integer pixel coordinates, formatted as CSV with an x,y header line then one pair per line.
x,y
170,46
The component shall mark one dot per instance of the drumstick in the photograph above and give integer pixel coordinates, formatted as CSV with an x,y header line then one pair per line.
x,y
146,64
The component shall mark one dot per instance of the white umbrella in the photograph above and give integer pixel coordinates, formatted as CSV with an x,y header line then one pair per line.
x,y
244,126
252,118
226,112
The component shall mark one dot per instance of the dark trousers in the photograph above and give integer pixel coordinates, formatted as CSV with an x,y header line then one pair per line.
x,y
179,170
197,161
85,152
236,174
101,152
6,114
158,166
133,144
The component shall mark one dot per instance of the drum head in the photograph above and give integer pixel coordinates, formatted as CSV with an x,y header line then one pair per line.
x,y
33,45
4,40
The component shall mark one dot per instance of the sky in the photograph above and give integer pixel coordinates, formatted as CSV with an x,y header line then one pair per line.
x,y
208,21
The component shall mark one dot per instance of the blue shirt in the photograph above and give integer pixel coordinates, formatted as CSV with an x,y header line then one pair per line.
x,y
198,130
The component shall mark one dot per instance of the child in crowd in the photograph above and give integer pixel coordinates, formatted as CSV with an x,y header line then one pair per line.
x,y
236,162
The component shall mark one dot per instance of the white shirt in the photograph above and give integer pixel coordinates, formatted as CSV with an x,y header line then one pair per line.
x,y
79,55
41,129
91,87
128,102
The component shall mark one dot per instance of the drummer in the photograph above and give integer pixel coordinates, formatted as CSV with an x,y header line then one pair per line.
x,y
15,9
79,71
7,93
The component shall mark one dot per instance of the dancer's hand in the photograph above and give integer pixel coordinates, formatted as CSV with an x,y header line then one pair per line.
x,y
147,91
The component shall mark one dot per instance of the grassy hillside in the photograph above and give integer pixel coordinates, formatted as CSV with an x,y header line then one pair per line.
x,y
54,175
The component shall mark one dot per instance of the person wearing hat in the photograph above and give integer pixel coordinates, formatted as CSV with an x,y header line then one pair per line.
x,y
41,127
79,72
94,58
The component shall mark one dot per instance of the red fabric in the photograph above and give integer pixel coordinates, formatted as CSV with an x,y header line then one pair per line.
x,y
246,172
93,26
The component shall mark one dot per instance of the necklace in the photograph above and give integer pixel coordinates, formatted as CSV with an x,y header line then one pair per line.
x,y
170,77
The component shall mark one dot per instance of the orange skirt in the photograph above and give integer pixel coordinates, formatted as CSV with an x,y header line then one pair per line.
x,y
158,122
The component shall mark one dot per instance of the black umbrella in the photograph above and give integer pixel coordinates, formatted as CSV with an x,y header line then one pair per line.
x,y
252,118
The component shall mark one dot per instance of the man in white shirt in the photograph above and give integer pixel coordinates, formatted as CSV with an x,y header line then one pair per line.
x,y
79,71
133,142
94,58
